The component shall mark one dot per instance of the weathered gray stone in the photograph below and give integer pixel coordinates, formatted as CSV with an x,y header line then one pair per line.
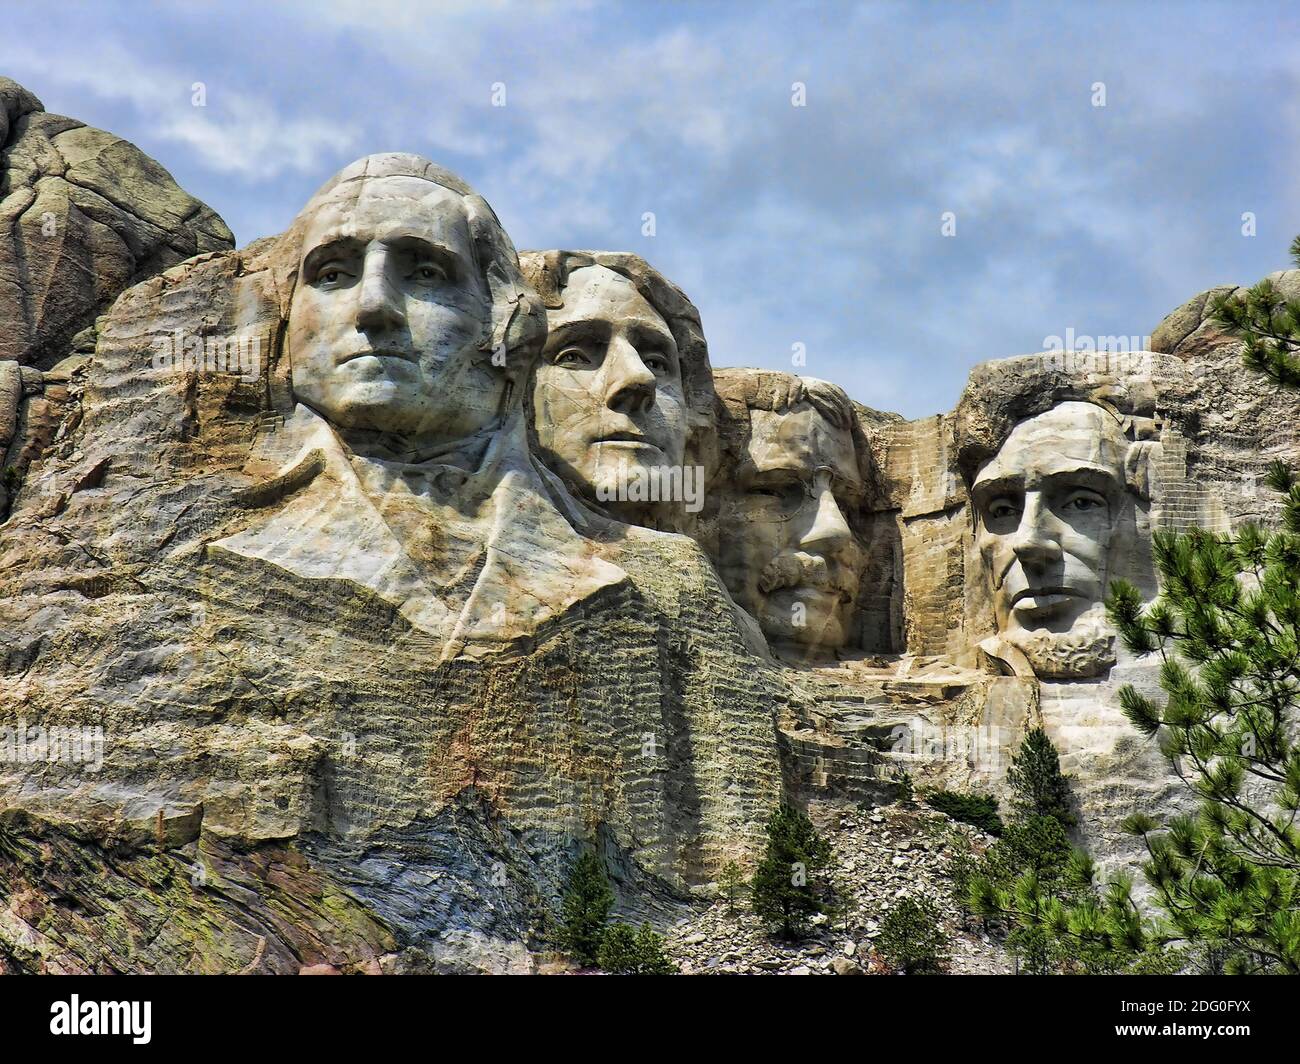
x,y
83,215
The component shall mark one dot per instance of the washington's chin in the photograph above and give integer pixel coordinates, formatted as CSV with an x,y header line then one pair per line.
x,y
381,406
616,463
824,622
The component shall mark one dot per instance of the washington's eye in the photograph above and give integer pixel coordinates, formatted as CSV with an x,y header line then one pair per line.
x,y
573,357
1002,509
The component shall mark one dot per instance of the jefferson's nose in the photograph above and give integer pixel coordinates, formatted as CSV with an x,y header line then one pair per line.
x,y
379,307
829,531
1035,541
630,386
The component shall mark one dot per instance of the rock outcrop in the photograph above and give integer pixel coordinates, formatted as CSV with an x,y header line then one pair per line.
x,y
83,215
353,582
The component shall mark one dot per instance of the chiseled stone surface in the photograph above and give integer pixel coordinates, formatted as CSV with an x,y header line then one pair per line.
x,y
336,555
83,214
417,667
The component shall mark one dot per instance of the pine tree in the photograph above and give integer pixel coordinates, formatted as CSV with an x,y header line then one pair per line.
x,y
617,951
1044,889
1060,918
1038,786
911,939
1269,326
790,884
1227,628
650,956
978,810
627,952
732,882
587,901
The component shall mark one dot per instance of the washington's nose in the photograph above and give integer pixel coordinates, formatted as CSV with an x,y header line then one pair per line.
x,y
379,307
630,386
1035,541
829,530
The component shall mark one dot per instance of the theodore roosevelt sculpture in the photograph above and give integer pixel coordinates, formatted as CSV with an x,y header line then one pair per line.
x,y
789,533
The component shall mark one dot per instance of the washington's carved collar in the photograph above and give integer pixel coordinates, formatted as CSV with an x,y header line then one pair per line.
x,y
469,545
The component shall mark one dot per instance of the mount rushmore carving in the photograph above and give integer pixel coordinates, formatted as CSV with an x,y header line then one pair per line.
x,y
479,560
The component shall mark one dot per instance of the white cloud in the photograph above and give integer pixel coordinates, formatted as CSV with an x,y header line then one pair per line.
x,y
236,132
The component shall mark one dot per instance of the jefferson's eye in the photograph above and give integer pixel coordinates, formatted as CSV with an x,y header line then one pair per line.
x,y
430,273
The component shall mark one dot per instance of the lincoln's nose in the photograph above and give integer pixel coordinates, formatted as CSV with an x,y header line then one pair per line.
x,y
1035,541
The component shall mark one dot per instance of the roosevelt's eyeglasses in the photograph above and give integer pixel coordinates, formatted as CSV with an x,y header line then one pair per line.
x,y
780,496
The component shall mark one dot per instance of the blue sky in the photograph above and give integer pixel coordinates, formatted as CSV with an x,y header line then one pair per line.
x,y
817,225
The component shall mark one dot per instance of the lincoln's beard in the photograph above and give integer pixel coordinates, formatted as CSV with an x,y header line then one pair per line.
x,y
1087,649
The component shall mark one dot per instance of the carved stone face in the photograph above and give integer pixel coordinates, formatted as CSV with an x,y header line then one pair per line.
x,y
1047,508
608,401
788,552
389,313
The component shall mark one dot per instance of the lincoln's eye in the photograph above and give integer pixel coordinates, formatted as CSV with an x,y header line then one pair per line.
x,y
331,274
655,362
1084,502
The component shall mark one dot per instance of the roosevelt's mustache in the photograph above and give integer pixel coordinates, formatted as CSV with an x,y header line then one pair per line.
x,y
807,570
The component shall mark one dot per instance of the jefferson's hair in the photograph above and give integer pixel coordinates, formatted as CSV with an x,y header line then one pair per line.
x,y
548,272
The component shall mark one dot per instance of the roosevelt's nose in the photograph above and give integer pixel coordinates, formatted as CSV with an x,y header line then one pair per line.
x,y
630,385
379,306
1035,541
829,531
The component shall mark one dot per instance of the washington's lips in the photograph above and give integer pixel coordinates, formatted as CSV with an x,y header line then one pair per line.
x,y
378,352
810,590
625,439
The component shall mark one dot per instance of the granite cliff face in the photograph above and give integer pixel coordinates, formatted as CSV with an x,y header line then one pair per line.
x,y
354,581
83,215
